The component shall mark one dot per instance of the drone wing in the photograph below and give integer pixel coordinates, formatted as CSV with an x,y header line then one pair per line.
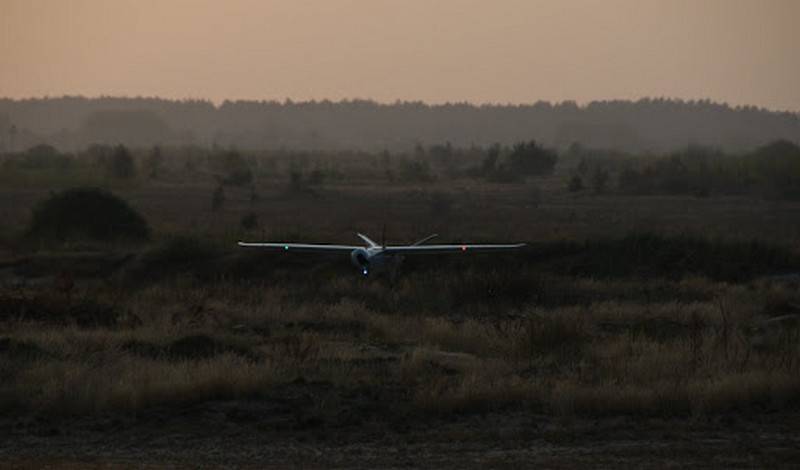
x,y
431,249
304,247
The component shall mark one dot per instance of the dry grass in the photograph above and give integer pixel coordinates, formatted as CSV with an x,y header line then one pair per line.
x,y
128,384
611,357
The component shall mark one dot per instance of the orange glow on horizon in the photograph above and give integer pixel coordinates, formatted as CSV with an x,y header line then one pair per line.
x,y
514,51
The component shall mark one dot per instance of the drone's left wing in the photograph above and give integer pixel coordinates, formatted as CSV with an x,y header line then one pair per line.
x,y
305,247
431,249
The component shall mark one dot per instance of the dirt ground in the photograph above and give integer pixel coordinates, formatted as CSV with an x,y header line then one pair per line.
x,y
279,433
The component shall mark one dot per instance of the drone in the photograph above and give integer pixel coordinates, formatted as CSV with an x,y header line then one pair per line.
x,y
373,258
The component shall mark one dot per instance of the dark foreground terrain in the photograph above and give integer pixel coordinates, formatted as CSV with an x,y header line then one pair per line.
x,y
132,370
633,331
272,433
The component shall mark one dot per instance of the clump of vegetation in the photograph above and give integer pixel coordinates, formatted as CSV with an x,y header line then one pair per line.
x,y
45,156
120,165
512,165
86,213
772,170
531,159
154,162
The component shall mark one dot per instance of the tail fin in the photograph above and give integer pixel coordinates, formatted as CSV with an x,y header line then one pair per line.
x,y
370,243
426,239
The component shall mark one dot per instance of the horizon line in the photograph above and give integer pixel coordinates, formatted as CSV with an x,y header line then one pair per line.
x,y
291,101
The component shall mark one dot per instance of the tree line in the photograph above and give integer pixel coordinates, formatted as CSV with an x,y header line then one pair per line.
x,y
772,171
647,125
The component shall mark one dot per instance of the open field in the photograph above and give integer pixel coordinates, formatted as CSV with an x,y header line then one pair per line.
x,y
632,331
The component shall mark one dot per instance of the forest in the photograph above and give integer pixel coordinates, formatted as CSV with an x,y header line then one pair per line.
x,y
648,125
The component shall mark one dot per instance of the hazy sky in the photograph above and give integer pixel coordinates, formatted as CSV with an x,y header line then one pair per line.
x,y
742,52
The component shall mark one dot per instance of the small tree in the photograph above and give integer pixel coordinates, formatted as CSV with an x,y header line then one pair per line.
x,y
121,165
529,158
489,164
153,162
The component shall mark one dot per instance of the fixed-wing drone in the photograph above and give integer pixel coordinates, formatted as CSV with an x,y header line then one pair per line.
x,y
375,257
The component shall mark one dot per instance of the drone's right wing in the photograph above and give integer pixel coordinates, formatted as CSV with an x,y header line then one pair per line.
x,y
435,249
304,247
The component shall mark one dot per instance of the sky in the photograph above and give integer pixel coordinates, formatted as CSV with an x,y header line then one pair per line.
x,y
743,52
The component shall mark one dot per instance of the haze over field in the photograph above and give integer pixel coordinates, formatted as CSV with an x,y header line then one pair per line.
x,y
739,52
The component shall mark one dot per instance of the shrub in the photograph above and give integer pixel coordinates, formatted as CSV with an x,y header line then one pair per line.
x,y
153,162
529,158
90,213
45,156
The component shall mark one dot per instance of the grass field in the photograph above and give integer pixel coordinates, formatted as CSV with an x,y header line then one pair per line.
x,y
672,308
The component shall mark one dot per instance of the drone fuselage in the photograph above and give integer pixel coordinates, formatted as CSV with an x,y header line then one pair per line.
x,y
371,260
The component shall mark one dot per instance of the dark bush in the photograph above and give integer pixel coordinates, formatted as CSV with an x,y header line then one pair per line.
x,y
45,156
86,213
771,171
529,158
489,164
